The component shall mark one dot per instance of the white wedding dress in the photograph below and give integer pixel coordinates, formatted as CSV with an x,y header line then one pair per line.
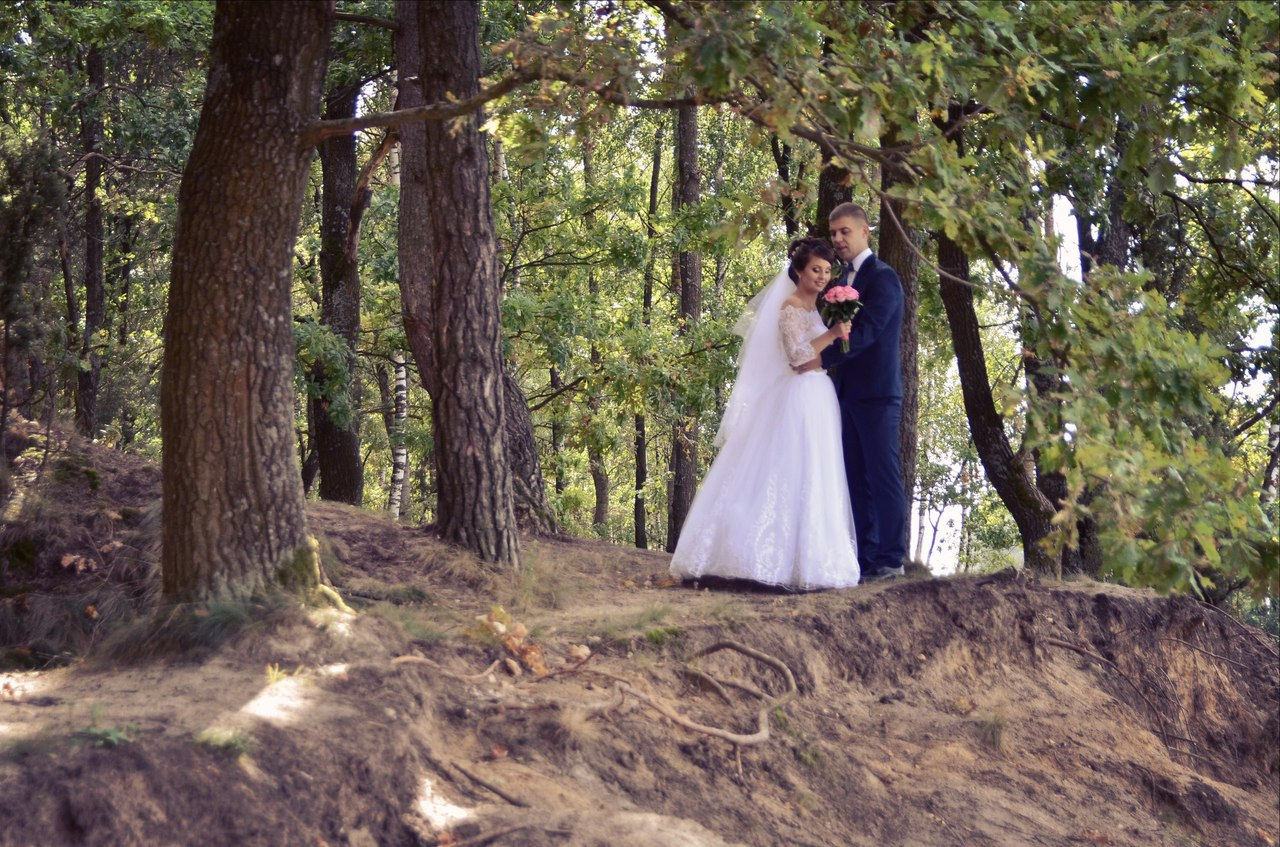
x,y
774,506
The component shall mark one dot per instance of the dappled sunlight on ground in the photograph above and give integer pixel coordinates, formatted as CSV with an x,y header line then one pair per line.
x,y
18,687
281,702
438,811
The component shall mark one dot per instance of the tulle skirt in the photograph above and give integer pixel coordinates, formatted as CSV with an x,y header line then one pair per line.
x,y
774,506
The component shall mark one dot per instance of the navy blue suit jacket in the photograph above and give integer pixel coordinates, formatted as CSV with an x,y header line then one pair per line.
x,y
872,369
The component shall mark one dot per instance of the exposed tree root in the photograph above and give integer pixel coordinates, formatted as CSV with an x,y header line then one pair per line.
x,y
513,800
438,668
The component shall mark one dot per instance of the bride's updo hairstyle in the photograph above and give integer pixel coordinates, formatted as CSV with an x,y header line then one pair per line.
x,y
802,251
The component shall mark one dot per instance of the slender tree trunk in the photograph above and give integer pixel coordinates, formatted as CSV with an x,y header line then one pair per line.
x,y
457,295
896,246
234,519
557,432
684,446
595,450
640,510
1030,509
95,299
338,442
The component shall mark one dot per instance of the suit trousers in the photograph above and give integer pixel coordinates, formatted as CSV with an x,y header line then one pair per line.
x,y
874,471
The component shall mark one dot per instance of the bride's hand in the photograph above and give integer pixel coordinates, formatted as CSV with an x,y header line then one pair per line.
x,y
842,328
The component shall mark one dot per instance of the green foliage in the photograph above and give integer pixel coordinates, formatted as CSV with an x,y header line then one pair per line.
x,y
232,742
322,369
1139,401
108,736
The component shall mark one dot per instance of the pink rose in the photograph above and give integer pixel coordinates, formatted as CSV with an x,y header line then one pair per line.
x,y
841,294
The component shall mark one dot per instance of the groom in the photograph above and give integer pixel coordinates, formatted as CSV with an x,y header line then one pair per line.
x,y
868,383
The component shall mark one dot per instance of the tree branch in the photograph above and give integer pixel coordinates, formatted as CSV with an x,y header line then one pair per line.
x,y
366,19
320,130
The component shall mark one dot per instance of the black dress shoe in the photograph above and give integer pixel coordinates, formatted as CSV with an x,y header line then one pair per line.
x,y
882,573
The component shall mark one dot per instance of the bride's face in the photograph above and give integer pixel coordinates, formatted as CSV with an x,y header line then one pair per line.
x,y
815,276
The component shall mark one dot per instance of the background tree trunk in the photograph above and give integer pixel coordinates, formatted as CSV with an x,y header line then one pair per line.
x,y
684,447
234,520
461,302
529,490
783,159
95,299
338,444
832,191
595,451
640,514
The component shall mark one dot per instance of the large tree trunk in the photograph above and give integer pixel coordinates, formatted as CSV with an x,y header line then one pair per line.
x,y
338,442
456,297
684,446
95,299
234,519
896,246
833,189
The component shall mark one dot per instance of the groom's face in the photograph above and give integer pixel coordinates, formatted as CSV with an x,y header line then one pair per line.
x,y
849,236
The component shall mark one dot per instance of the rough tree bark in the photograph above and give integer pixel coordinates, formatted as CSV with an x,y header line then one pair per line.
x,y
684,446
896,246
452,300
338,445
833,189
234,520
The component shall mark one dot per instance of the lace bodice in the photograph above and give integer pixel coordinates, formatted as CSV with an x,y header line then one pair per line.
x,y
797,327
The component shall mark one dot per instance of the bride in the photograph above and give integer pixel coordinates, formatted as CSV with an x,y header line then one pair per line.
x,y
774,507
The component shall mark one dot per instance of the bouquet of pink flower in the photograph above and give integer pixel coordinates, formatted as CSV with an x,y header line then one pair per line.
x,y
840,303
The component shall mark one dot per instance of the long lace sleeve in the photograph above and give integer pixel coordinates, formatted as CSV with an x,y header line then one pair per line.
x,y
796,330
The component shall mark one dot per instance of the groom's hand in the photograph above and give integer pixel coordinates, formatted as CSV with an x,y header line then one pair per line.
x,y
811,365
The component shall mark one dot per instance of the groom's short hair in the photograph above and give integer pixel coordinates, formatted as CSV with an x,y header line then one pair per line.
x,y
849,210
